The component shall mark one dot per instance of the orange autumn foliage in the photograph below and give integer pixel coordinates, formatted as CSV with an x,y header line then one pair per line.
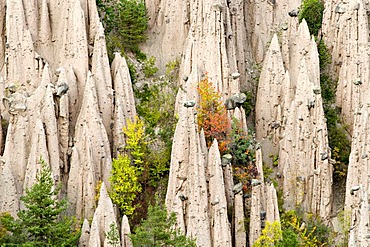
x,y
212,115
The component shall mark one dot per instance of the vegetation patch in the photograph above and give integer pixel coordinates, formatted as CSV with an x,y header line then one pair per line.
x,y
149,138
212,115
271,235
337,134
304,229
125,184
158,230
242,149
156,106
232,139
125,23
312,12
41,222
113,235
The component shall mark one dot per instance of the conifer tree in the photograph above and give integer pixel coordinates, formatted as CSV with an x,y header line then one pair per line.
x,y
40,223
158,230
125,23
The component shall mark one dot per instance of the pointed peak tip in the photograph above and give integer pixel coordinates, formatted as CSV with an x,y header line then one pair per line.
x,y
274,45
45,79
103,188
274,37
117,54
303,29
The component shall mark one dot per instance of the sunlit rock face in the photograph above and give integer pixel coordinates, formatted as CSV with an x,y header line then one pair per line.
x,y
104,217
91,159
200,35
246,27
290,122
187,192
62,101
263,18
264,204
345,30
304,152
270,98
357,186
124,107
58,101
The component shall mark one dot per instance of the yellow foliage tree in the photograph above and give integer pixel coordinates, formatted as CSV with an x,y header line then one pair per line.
x,y
135,140
124,183
270,236
127,168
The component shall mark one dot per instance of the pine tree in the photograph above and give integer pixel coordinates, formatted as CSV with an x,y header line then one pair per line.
x,y
125,23
40,223
157,230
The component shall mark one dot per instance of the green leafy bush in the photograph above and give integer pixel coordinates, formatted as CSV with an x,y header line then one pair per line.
x,y
40,223
133,72
3,230
249,104
312,11
289,239
158,230
149,68
156,106
337,133
308,228
241,146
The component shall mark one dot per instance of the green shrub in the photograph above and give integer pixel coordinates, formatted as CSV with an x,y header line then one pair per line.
x,y
312,11
308,228
324,55
3,230
290,239
241,146
132,71
156,106
337,133
149,68
158,230
249,104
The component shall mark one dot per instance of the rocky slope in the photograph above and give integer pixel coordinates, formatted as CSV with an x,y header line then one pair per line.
x,y
64,102
58,101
